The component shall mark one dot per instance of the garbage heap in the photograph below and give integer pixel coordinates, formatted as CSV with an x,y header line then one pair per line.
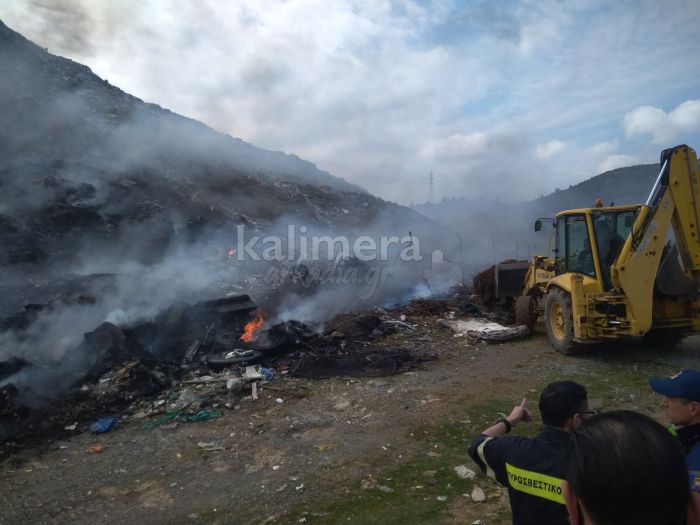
x,y
157,368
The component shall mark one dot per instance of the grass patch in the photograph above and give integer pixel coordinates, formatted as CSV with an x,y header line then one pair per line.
x,y
422,489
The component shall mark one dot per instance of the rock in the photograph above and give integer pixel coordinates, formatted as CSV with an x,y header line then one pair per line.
x,y
464,473
384,488
341,405
478,495
367,484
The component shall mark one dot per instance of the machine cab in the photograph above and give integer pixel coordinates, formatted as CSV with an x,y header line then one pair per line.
x,y
588,241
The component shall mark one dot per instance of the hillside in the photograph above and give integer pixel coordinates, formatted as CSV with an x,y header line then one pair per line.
x,y
629,185
95,181
54,107
497,231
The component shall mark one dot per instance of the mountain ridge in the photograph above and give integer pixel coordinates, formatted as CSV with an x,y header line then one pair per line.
x,y
241,154
94,180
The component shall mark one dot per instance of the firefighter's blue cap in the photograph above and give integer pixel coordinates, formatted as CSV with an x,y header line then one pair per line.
x,y
685,383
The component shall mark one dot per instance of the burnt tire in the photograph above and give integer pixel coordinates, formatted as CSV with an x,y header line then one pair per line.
x,y
559,320
526,312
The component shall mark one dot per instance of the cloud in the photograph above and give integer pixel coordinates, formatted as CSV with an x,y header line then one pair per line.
x,y
612,162
549,149
663,127
459,145
602,148
383,92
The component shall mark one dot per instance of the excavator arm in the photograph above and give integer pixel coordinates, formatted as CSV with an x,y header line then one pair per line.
x,y
673,202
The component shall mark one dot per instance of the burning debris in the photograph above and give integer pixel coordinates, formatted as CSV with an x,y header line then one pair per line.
x,y
212,343
259,317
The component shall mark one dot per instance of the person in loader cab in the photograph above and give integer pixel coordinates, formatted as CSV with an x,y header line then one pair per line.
x,y
681,399
533,469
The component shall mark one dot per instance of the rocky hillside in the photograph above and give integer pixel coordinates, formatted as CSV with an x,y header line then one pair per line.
x,y
58,109
90,173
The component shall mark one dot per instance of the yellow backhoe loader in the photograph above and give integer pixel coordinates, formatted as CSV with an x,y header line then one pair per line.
x,y
622,272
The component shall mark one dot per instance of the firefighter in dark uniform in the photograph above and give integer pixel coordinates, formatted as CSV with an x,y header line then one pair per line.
x,y
682,403
533,469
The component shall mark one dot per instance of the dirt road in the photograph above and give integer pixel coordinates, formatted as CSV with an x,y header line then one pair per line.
x,y
355,451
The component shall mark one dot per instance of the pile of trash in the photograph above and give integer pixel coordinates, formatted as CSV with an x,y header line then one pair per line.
x,y
191,362
150,368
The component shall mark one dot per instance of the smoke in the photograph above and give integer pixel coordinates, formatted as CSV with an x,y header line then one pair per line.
x,y
122,209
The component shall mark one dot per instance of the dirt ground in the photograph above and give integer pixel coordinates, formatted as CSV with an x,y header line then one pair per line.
x,y
355,451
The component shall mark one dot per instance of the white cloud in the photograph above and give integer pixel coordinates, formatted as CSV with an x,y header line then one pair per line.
x,y
612,162
459,145
382,92
549,149
602,148
663,127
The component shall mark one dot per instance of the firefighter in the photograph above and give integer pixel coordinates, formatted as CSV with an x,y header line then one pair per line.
x,y
623,467
533,469
682,403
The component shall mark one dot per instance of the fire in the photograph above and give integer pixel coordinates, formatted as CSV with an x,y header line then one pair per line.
x,y
252,326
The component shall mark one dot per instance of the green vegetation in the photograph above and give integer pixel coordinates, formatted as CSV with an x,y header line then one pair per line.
x,y
423,488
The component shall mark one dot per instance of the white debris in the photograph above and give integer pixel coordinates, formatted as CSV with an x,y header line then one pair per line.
x,y
483,329
464,473
232,382
478,495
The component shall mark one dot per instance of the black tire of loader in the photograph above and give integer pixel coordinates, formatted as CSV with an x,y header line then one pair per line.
x,y
564,344
526,312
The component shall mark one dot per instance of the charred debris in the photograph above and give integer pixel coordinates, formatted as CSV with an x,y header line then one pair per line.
x,y
194,361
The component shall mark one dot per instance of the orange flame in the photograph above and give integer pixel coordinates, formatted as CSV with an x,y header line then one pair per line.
x,y
252,326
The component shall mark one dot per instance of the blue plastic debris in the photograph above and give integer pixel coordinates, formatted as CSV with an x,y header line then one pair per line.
x,y
103,425
268,373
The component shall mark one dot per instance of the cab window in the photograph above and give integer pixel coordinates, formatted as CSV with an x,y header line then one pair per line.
x,y
611,229
572,246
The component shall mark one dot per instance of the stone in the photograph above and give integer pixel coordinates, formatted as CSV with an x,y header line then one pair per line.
x,y
464,473
478,495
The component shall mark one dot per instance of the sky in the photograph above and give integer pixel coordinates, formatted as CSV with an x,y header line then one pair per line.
x,y
500,100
